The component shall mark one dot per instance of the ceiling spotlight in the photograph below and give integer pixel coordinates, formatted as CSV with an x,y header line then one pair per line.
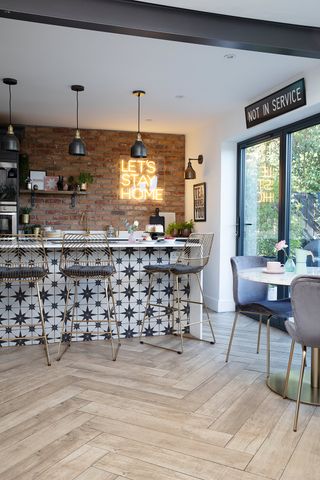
x,y
138,149
9,141
229,56
190,173
77,146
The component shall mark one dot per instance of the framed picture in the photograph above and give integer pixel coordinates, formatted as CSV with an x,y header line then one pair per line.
x,y
50,182
37,178
199,202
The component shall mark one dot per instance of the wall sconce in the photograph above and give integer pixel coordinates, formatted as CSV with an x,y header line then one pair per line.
x,y
190,173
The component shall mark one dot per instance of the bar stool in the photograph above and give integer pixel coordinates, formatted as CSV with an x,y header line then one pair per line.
x,y
23,259
192,259
83,257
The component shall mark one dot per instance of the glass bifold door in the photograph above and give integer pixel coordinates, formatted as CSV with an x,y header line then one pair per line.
x,y
279,190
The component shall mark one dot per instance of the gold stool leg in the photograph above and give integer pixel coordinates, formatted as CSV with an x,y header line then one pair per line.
x,y
232,334
285,389
180,330
172,302
303,363
268,346
109,318
147,306
259,333
73,310
114,309
207,311
64,323
45,340
109,293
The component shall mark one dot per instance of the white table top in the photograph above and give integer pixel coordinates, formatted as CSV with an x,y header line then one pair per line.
x,y
258,275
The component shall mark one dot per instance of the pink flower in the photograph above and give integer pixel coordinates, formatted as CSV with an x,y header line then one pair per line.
x,y
280,245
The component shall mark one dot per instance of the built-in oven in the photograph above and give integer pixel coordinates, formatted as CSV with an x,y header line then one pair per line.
x,y
8,183
8,219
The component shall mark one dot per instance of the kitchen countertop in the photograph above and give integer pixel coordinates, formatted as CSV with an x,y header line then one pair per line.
x,y
56,244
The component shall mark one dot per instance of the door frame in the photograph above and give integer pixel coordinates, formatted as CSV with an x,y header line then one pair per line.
x,y
284,134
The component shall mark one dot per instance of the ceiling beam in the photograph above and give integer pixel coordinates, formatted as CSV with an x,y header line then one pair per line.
x,y
169,23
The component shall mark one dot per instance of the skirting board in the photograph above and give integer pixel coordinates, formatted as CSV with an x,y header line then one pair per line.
x,y
219,305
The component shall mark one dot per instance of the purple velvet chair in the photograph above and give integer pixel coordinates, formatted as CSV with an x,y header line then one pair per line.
x,y
252,298
305,297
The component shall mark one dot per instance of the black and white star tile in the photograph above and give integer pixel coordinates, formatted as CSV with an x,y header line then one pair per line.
x,y
19,310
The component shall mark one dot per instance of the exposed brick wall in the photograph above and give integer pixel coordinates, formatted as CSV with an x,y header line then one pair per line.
x,y
48,150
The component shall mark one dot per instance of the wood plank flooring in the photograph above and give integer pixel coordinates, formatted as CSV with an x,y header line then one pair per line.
x,y
153,414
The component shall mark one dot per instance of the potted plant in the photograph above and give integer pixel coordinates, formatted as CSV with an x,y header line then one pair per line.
x,y
36,230
186,228
174,229
85,178
25,215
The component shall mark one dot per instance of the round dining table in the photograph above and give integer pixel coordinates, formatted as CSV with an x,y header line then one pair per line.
x,y
275,381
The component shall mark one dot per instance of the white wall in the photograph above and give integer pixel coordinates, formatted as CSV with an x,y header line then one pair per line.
x,y
217,142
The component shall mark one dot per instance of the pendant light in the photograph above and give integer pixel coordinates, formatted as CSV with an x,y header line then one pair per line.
x,y
10,142
77,146
138,150
190,173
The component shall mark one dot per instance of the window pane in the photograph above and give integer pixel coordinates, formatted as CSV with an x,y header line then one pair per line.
x,y
261,198
305,187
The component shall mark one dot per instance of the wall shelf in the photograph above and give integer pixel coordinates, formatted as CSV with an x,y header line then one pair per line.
x,y
72,193
54,192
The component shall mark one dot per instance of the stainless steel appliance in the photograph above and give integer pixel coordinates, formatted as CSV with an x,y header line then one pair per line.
x,y
8,183
8,219
9,192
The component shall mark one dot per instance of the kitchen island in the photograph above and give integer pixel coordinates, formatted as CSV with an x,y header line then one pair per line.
x,y
19,307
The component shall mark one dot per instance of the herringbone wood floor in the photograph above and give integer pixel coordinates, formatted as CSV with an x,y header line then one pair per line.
x,y
153,414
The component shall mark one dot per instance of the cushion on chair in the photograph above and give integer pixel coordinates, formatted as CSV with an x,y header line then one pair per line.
x,y
175,268
88,271
280,308
180,269
159,267
22,272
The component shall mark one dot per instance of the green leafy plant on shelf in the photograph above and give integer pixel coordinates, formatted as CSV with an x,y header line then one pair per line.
x,y
25,215
84,179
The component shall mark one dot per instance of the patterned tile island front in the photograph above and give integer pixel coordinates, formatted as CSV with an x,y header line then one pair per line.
x,y
19,309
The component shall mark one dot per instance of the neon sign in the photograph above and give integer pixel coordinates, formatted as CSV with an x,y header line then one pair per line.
x,y
266,184
138,180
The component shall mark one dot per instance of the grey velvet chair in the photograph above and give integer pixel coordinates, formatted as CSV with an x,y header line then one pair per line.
x,y
305,330
191,261
83,257
252,297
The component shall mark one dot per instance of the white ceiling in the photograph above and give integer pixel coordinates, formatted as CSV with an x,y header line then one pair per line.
x,y
46,60
286,11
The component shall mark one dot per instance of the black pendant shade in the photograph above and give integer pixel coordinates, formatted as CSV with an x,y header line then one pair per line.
x,y
190,173
9,141
138,149
77,146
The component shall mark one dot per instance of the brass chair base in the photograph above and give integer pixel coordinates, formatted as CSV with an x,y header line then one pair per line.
x,y
185,335
177,300
309,395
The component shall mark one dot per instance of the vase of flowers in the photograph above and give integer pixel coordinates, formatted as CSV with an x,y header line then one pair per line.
x,y
131,228
289,265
